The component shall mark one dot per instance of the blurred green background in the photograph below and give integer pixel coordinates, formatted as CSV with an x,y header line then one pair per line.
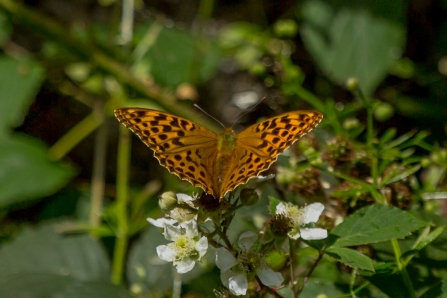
x,y
65,65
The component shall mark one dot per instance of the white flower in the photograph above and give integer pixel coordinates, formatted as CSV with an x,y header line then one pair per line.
x,y
301,217
186,247
159,223
234,271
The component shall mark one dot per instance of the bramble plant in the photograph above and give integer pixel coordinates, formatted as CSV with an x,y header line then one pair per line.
x,y
355,208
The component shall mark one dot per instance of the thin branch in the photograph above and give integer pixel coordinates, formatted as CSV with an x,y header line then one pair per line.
x,y
306,278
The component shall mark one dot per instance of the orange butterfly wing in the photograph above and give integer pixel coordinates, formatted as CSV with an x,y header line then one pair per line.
x,y
190,151
258,146
185,148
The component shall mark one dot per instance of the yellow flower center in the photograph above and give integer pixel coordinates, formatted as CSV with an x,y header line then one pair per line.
x,y
183,246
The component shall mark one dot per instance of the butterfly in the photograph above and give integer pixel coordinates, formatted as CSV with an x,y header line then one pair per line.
x,y
216,163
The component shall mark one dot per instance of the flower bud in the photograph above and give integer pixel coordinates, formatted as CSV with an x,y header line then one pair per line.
x,y
352,84
167,201
383,112
249,197
285,28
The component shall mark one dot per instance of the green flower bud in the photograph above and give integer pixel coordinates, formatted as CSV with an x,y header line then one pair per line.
x,y
352,84
167,201
384,112
285,28
351,123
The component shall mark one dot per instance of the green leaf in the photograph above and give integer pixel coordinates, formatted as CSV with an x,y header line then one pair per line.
x,y
423,240
19,81
375,223
359,39
26,172
145,266
387,136
350,258
439,290
390,284
318,288
5,28
273,202
42,263
192,62
397,174
37,285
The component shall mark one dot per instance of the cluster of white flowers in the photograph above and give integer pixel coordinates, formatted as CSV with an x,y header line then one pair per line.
x,y
186,247
237,267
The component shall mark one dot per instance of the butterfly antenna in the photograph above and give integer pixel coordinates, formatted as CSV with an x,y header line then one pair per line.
x,y
197,106
248,111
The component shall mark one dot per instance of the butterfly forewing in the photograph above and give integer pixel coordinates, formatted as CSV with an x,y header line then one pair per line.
x,y
259,145
182,146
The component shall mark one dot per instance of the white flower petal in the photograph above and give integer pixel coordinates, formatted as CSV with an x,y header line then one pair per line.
x,y
247,239
202,246
190,228
171,232
312,212
165,253
160,221
185,265
224,259
236,282
261,178
281,208
183,197
313,233
269,277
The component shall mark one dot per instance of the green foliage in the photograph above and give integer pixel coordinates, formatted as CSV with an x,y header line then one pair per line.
x,y
41,262
360,40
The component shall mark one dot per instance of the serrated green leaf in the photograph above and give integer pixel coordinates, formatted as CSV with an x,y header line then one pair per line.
x,y
350,258
360,40
26,172
375,223
439,290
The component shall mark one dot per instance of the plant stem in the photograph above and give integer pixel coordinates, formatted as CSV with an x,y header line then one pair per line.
x,y
306,278
292,273
75,135
123,162
310,98
402,269
177,285
99,158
